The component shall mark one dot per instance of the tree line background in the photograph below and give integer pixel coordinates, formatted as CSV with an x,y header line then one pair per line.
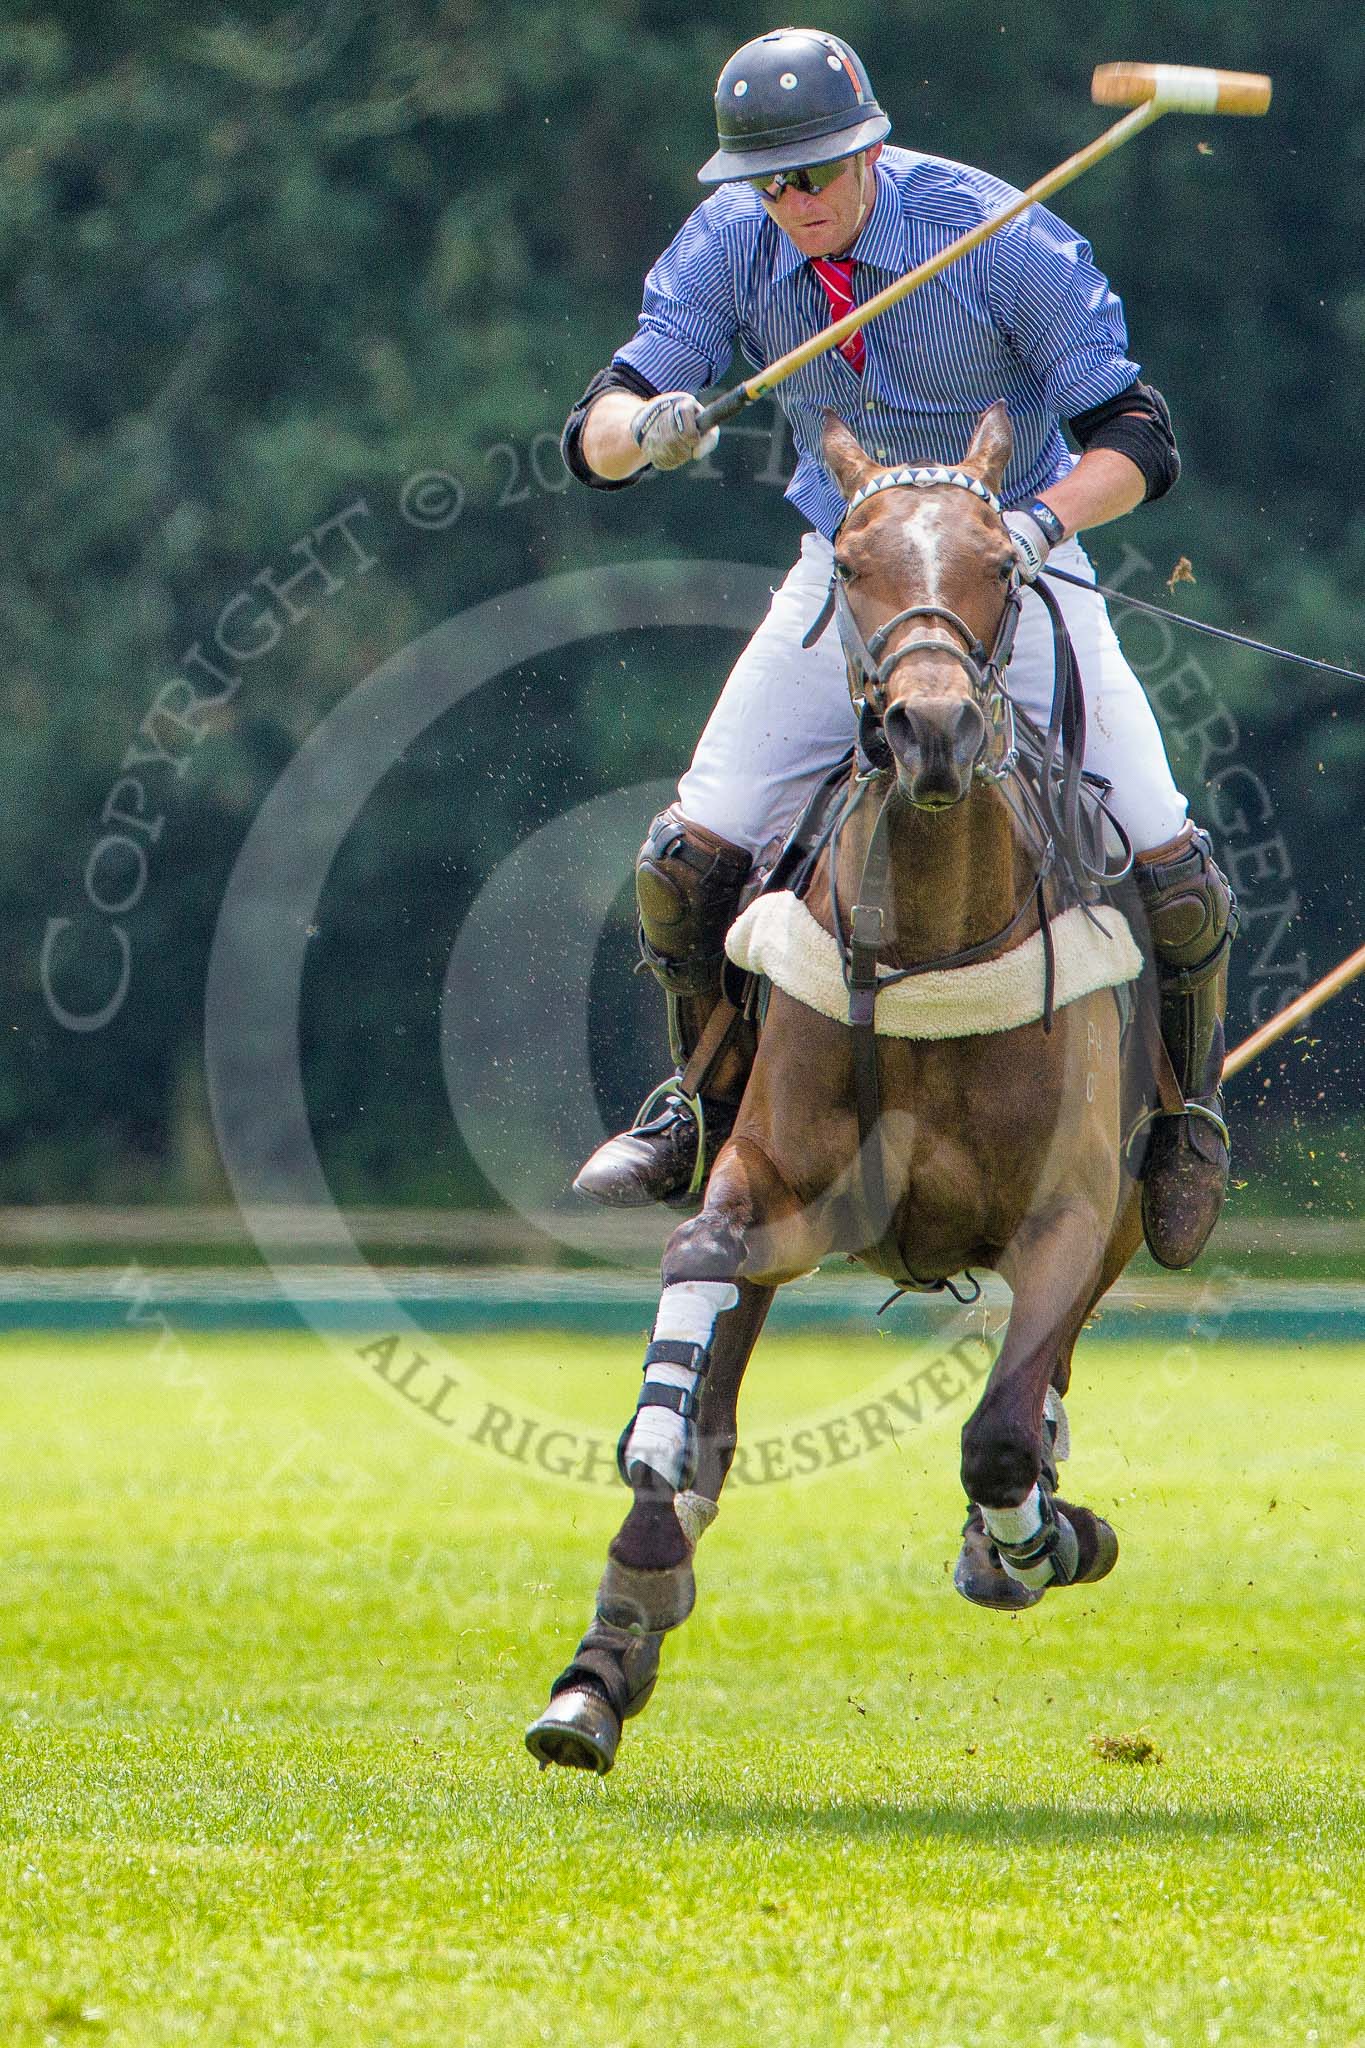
x,y
263,265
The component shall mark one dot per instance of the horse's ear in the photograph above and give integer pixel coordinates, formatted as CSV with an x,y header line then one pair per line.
x,y
992,446
850,466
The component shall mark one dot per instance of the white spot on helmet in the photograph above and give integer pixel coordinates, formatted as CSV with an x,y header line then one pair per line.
x,y
741,87
834,64
787,80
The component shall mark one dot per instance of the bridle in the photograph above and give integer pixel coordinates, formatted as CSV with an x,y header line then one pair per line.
x,y
985,674
870,667
1049,813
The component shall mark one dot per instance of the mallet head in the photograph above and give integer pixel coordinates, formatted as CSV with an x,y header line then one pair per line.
x,y
1180,88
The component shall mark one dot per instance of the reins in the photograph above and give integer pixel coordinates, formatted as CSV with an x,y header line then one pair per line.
x,y
1066,837
1160,611
1046,805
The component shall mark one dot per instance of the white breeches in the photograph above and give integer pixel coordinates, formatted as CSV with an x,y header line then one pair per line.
x,y
784,716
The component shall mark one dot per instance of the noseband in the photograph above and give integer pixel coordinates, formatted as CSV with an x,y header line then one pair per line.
x,y
870,666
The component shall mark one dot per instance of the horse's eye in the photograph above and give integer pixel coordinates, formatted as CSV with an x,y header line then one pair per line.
x,y
843,570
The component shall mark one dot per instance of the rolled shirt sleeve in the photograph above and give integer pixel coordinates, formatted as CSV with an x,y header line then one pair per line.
x,y
688,319
1061,315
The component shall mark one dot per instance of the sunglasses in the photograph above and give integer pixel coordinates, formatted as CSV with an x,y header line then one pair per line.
x,y
813,178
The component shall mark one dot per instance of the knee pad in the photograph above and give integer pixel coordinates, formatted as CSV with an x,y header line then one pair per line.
x,y
687,884
1191,912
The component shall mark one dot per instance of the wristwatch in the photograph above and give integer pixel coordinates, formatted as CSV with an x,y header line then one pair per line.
x,y
1054,533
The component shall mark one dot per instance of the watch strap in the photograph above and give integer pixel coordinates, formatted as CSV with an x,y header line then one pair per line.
x,y
1054,533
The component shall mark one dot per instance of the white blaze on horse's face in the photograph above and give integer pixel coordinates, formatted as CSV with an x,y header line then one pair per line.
x,y
926,566
930,569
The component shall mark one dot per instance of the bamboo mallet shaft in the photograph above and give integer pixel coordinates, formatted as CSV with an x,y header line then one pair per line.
x,y
1302,1007
1150,89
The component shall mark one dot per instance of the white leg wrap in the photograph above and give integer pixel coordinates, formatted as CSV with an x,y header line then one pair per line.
x,y
1039,1557
1035,1576
687,1315
689,1308
1015,1525
659,1440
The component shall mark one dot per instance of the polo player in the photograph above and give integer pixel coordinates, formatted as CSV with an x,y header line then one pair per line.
x,y
813,212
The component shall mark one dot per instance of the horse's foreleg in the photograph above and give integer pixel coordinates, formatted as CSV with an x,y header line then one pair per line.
x,y
1017,1541
674,1454
676,1451
719,1275
675,1459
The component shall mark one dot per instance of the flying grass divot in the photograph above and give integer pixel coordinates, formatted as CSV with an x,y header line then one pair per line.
x,y
1136,1748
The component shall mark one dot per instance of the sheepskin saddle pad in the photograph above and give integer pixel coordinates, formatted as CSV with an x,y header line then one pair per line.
x,y
777,937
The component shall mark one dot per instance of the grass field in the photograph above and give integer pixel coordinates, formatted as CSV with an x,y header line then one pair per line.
x,y
267,1651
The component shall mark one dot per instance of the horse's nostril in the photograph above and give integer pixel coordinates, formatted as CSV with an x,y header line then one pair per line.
x,y
951,729
969,734
899,726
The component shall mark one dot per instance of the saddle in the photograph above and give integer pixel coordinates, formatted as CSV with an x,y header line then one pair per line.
x,y
1079,875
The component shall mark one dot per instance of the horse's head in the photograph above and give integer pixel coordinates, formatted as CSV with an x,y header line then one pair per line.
x,y
926,573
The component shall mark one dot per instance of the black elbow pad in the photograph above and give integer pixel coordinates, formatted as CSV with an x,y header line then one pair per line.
x,y
616,377
1137,423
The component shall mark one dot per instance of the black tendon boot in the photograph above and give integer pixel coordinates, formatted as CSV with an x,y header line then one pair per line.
x,y
1192,919
688,884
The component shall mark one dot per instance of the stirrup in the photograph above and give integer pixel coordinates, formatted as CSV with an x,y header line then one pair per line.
x,y
1192,1108
696,1109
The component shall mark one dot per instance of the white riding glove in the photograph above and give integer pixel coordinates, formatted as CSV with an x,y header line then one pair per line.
x,y
1032,545
665,429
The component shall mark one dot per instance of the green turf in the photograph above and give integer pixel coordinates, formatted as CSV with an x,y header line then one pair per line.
x,y
268,1649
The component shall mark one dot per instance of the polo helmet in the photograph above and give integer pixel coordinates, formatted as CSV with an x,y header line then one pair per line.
x,y
788,99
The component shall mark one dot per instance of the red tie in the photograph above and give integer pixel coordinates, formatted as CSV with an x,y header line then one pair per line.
x,y
836,275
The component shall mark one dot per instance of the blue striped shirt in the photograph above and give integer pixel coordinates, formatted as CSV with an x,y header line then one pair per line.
x,y
1026,317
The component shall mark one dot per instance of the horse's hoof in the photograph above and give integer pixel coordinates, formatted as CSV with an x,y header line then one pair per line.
x,y
578,1729
979,1575
1097,1547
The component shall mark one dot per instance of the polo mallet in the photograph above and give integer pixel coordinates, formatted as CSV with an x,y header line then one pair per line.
x,y
1151,90
1302,1007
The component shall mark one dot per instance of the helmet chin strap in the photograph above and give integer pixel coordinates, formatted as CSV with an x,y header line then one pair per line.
x,y
864,203
862,191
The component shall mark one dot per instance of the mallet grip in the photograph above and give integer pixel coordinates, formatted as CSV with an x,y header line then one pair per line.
x,y
726,407
1181,88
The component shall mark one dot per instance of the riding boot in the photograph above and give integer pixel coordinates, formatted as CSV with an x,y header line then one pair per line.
x,y
1192,919
688,883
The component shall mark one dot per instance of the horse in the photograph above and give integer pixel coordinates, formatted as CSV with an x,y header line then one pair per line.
x,y
983,1128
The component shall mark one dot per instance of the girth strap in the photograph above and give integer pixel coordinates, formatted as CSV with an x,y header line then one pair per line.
x,y
869,932
862,1017
870,929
